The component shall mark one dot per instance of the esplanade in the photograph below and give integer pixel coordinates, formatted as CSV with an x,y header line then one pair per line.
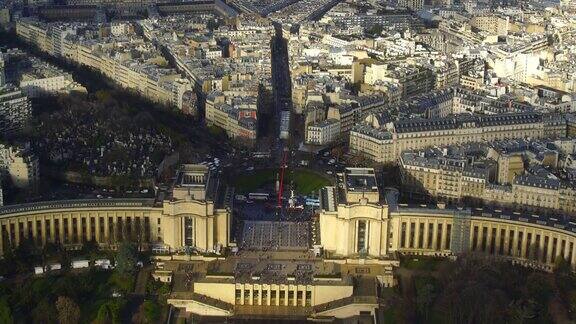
x,y
369,224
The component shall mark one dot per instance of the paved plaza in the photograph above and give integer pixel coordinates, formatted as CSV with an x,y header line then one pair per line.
x,y
265,235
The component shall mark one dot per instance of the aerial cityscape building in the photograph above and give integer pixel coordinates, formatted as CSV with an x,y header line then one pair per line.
x,y
310,160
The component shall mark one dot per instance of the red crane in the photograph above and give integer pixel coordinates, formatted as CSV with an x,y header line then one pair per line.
x,y
281,187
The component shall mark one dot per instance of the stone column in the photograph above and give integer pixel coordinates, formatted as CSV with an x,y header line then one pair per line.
x,y
524,245
286,296
558,247
43,229
424,237
542,253
515,243
506,240
52,229
409,242
435,236
25,231
417,234
35,231
497,241
97,229
489,239
61,227
71,228
573,259
89,227
79,229
1,240
549,249
17,233
107,232
478,246
277,301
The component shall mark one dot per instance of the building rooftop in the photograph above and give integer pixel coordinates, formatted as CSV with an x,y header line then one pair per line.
x,y
360,180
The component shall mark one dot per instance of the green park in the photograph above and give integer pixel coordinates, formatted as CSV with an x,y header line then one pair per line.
x,y
303,181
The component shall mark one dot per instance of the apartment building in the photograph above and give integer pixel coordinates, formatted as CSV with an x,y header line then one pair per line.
x,y
412,4
15,110
421,133
113,57
447,177
349,110
493,24
324,132
20,165
507,173
238,116
36,77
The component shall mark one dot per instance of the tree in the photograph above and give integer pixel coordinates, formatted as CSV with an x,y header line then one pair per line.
x,y
123,282
44,313
90,247
5,313
520,312
68,311
109,313
424,298
571,300
539,288
152,311
104,315
375,30
126,258
148,312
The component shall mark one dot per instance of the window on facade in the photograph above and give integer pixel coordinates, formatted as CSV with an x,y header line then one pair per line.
x,y
545,249
430,235
421,235
282,297
264,297
554,250
412,235
238,296
361,243
255,297
448,236
403,237
439,237
475,238
57,230
290,297
502,240
273,297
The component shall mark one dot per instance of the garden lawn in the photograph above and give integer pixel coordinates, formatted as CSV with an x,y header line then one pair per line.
x,y
305,181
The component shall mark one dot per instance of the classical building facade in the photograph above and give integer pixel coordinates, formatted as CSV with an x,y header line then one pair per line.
x,y
375,228
386,145
498,177
192,218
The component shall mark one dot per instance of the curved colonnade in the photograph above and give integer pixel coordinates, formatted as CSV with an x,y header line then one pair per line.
x,y
169,225
531,239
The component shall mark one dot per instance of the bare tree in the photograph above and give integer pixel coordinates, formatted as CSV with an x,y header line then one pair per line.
x,y
68,311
